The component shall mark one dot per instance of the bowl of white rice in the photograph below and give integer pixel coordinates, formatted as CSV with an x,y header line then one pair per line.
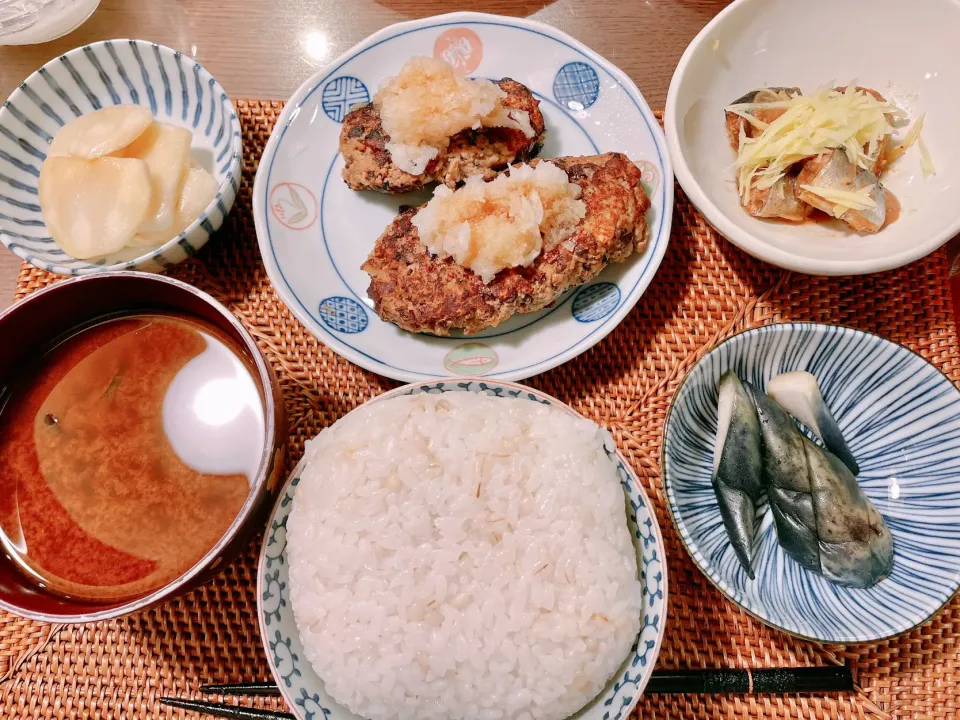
x,y
462,550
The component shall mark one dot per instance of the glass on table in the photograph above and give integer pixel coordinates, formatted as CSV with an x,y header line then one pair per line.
x,y
26,22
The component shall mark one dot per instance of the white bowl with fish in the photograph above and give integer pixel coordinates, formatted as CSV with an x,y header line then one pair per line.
x,y
840,527
462,549
910,59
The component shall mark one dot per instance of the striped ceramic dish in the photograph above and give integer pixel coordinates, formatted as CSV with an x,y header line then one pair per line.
x,y
901,418
175,88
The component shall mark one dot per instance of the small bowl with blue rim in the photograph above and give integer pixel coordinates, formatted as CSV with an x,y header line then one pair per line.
x,y
176,89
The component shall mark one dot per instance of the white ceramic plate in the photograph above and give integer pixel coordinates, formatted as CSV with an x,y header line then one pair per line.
x,y
911,56
304,691
315,232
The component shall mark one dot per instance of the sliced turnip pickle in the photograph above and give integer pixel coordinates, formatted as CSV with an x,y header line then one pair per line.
x,y
102,132
199,189
93,207
166,151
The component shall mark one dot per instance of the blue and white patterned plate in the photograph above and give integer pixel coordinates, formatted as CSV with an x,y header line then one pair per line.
x,y
175,88
900,417
304,691
315,232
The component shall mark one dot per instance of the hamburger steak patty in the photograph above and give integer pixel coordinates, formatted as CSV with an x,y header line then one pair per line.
x,y
423,293
471,152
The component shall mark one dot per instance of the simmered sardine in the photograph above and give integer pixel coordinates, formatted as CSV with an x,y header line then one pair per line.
x,y
764,115
833,171
881,154
779,201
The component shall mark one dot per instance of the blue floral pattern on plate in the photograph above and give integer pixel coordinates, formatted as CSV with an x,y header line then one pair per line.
x,y
305,692
341,94
576,86
344,315
595,302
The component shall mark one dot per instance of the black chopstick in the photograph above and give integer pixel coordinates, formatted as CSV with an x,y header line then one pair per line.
x,y
823,679
226,711
253,688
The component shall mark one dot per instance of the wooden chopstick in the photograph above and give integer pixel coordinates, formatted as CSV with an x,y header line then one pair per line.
x,y
222,710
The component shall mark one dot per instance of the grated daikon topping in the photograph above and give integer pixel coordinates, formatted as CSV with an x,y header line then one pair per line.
x,y
490,226
853,120
411,158
427,103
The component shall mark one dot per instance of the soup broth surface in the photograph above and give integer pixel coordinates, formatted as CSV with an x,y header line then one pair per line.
x,y
126,453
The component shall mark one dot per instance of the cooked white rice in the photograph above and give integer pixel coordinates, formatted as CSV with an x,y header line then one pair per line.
x,y
462,556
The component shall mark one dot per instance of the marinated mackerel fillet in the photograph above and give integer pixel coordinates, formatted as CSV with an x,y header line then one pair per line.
x,y
471,152
423,293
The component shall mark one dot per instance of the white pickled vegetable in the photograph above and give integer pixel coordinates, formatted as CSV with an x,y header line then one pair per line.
x,y
93,207
166,151
101,132
199,188
844,200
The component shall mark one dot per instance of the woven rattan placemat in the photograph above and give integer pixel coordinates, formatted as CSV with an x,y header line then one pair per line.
x,y
705,290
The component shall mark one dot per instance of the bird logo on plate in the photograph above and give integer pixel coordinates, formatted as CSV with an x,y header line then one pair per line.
x,y
293,205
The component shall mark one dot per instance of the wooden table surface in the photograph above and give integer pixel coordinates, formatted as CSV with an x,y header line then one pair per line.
x,y
266,49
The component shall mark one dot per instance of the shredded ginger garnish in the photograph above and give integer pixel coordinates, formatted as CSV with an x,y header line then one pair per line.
x,y
490,226
913,138
844,200
811,125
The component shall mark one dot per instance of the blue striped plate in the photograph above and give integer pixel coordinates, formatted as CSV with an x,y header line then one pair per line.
x,y
175,88
901,418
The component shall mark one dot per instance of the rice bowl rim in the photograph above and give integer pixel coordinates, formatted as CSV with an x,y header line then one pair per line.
x,y
297,704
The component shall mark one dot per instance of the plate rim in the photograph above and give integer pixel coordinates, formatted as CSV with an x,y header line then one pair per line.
x,y
708,572
657,246
660,546
746,240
